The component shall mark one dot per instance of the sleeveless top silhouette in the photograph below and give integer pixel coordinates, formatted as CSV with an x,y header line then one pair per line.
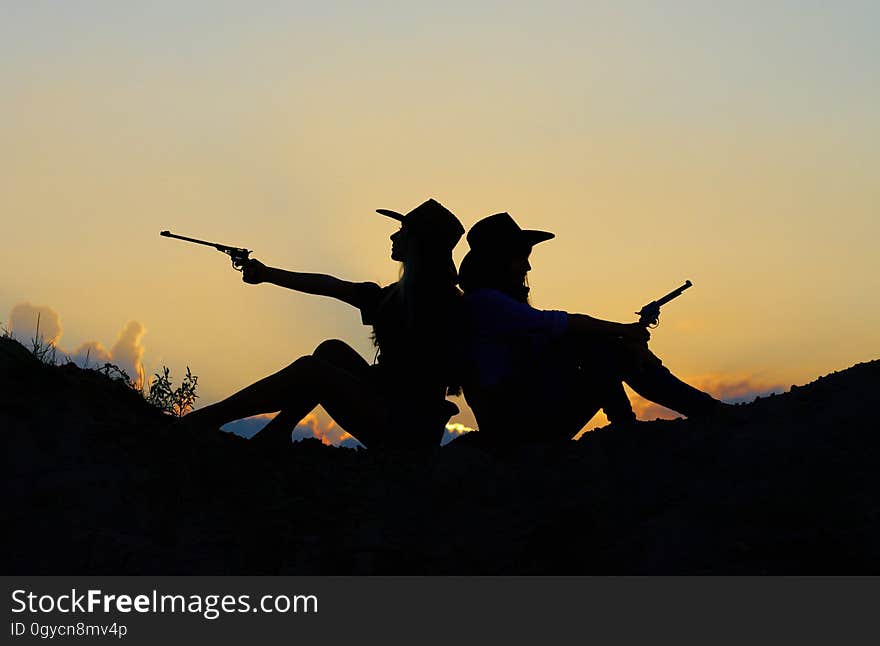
x,y
412,366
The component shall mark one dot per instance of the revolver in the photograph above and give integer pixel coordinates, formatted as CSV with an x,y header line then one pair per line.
x,y
239,255
649,315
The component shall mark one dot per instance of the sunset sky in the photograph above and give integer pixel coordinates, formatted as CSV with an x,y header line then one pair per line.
x,y
736,146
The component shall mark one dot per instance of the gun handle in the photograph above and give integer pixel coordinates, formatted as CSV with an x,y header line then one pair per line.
x,y
238,260
649,316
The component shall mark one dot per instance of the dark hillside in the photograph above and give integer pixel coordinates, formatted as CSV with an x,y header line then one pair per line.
x,y
98,482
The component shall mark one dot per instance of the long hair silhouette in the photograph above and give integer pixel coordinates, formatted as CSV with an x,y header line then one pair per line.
x,y
400,399
480,270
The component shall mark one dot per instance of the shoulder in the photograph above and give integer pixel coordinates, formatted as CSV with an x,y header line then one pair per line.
x,y
494,299
366,292
371,298
492,309
486,295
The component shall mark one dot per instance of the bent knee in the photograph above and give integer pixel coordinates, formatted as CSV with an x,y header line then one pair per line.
x,y
330,347
305,362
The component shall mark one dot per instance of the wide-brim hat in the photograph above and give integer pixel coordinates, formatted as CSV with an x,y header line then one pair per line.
x,y
431,221
499,233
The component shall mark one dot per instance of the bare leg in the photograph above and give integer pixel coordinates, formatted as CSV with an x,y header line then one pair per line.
x,y
334,352
599,373
614,401
590,377
609,362
279,429
587,397
645,373
297,389
606,365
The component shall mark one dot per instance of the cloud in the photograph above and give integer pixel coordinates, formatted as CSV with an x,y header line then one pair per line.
x,y
454,430
648,410
310,427
734,389
91,354
127,352
728,388
327,431
25,318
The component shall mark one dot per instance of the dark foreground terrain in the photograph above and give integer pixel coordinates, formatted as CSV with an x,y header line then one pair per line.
x,y
100,483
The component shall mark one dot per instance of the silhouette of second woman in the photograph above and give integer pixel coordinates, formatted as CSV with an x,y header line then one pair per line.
x,y
400,400
521,364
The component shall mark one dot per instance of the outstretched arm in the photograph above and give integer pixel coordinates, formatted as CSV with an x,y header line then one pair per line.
x,y
497,313
254,272
583,325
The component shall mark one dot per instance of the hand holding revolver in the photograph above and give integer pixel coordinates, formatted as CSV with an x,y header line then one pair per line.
x,y
254,272
649,315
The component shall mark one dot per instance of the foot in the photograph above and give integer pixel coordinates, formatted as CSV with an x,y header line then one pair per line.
x,y
193,423
725,413
622,419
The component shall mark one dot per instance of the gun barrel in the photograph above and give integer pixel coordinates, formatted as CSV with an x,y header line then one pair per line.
x,y
168,234
675,293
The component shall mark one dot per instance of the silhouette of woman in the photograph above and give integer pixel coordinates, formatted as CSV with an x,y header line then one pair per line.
x,y
520,363
400,400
